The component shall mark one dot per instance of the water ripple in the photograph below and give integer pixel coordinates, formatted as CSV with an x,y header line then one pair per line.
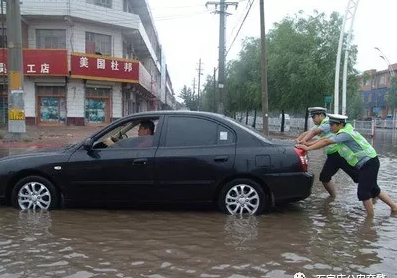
x,y
319,236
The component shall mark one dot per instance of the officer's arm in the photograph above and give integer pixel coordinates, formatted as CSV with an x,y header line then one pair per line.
x,y
317,145
312,142
300,137
310,134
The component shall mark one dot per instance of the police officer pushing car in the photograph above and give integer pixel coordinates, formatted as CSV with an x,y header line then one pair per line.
x,y
358,153
334,161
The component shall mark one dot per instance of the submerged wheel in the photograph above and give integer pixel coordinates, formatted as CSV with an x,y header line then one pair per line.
x,y
242,196
33,193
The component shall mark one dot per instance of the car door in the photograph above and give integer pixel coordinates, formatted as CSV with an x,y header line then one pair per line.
x,y
195,153
113,174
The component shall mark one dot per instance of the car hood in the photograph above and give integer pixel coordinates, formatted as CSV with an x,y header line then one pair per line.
x,y
45,152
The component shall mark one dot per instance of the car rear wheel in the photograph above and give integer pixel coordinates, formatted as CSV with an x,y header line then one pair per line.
x,y
242,196
33,193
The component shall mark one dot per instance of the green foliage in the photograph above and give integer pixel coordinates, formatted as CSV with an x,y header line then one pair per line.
x,y
393,93
355,99
208,100
189,98
356,107
301,56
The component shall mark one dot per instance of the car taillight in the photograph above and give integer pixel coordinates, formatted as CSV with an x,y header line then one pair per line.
x,y
302,158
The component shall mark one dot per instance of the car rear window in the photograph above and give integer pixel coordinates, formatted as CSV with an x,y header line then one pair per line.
x,y
250,130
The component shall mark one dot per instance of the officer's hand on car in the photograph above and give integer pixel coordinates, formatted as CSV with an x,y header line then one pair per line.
x,y
301,146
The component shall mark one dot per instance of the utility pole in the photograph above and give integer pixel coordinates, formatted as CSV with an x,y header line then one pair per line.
x,y
16,105
198,86
3,45
223,5
194,86
265,108
214,96
193,89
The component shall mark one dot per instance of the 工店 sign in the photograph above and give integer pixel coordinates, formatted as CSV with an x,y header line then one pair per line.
x,y
40,62
96,67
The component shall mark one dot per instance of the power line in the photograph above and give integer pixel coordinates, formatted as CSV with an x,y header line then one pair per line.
x,y
104,12
237,22
241,26
176,7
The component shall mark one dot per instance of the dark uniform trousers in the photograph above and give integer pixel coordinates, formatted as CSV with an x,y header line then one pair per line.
x,y
333,163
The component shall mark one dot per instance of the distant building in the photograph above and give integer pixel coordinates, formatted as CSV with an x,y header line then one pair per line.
x,y
89,62
375,87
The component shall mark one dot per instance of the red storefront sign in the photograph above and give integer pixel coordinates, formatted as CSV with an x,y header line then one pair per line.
x,y
96,67
40,62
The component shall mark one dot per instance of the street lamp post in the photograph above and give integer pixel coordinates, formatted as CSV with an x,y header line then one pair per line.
x,y
383,56
349,16
392,75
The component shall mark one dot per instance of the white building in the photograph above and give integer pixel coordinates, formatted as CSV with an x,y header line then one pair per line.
x,y
89,62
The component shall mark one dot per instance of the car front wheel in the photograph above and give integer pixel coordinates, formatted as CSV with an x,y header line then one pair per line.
x,y
242,196
35,192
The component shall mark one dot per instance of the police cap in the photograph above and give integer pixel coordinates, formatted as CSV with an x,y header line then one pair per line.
x,y
317,110
336,118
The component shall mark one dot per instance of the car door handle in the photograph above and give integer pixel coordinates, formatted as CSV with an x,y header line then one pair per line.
x,y
221,158
140,161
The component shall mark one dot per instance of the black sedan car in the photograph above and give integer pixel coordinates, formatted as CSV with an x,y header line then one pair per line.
x,y
161,157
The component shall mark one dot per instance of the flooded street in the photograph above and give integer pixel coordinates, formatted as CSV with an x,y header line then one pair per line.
x,y
316,237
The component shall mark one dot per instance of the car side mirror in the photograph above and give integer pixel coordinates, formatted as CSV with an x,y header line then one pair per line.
x,y
88,144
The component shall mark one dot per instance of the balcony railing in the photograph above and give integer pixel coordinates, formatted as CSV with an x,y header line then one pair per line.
x,y
90,12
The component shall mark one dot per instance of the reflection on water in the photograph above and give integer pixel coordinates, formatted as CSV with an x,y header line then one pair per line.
x,y
385,142
318,236
315,237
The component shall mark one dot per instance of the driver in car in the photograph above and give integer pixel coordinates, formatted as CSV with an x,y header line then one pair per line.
x,y
145,139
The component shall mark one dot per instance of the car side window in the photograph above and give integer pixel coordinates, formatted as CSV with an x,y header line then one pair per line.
x,y
190,131
134,134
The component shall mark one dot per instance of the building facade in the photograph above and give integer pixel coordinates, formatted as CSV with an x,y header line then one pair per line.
x,y
89,62
375,87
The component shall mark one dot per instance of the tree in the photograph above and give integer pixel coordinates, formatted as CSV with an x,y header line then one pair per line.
x,y
208,95
301,66
189,98
355,99
356,107
392,96
244,79
301,61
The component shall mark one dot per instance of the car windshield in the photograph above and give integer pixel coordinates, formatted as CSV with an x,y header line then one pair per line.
x,y
249,129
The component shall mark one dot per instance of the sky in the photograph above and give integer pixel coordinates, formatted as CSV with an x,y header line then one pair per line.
x,y
188,31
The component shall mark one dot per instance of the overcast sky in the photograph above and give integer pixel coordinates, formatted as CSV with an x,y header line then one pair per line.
x,y
189,31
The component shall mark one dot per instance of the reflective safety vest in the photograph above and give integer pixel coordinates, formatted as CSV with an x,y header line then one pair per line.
x,y
353,157
331,148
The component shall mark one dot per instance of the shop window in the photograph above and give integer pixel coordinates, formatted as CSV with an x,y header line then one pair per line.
x,y
128,50
3,38
98,44
3,104
103,3
51,39
127,6
97,106
51,104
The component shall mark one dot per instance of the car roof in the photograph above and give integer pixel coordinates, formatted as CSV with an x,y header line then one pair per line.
x,y
176,112
222,118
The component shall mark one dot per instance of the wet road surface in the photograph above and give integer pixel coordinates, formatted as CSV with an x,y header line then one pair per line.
x,y
316,237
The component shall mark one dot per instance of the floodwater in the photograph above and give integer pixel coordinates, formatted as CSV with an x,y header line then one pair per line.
x,y
317,237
